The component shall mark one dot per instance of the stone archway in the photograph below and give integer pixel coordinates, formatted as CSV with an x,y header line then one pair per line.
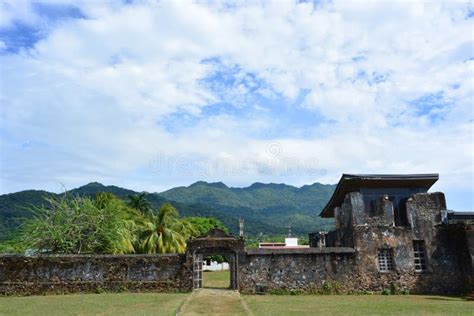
x,y
216,242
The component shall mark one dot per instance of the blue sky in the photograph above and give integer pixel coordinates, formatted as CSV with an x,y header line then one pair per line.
x,y
151,94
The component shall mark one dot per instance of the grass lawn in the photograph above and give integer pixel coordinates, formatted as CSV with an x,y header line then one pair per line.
x,y
93,304
214,302
220,302
358,305
216,279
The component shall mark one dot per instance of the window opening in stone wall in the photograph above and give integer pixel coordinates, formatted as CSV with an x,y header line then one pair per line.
x,y
398,197
370,202
420,255
385,259
399,210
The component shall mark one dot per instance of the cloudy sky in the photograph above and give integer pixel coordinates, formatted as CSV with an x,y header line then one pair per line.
x,y
151,95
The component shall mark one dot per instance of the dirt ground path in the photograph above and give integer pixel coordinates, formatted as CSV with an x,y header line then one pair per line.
x,y
214,302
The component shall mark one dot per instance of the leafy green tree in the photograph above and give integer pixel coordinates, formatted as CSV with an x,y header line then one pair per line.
x,y
106,224
125,221
104,199
76,225
140,203
165,232
203,225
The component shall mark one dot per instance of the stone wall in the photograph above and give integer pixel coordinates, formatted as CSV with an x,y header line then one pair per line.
x,y
303,270
449,266
445,271
470,253
342,236
26,275
340,269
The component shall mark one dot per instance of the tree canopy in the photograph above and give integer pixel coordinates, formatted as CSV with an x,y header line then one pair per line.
x,y
82,225
205,224
165,232
106,224
140,203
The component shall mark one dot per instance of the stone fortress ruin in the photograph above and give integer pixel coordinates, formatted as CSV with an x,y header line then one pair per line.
x,y
390,233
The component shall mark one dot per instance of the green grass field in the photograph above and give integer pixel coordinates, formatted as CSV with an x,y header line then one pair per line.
x,y
216,279
93,304
168,304
229,303
358,305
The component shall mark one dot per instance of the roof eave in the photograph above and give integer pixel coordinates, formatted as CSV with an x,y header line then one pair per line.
x,y
328,210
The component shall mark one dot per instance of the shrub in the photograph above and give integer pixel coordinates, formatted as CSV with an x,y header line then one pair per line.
x,y
367,292
386,292
75,225
394,290
330,287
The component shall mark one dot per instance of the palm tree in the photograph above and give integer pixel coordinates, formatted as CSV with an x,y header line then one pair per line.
x,y
165,232
140,203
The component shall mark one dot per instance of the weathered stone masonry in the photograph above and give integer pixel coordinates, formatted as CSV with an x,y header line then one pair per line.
x,y
380,221
394,214
303,270
91,273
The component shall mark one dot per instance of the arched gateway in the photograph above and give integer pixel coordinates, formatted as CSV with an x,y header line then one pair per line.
x,y
216,242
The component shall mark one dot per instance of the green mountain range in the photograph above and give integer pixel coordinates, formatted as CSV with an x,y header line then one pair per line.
x,y
266,208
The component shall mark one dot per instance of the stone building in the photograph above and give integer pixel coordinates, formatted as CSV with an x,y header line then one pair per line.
x,y
391,233
400,232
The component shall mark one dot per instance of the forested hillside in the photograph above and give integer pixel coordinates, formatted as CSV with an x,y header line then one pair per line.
x,y
267,208
276,205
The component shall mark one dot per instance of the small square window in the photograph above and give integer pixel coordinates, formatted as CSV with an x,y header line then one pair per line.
x,y
385,259
419,253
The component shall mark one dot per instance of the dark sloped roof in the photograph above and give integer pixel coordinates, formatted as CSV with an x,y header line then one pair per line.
x,y
353,182
460,216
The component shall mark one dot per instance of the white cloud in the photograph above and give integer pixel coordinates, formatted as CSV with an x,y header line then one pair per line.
x,y
99,91
16,11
